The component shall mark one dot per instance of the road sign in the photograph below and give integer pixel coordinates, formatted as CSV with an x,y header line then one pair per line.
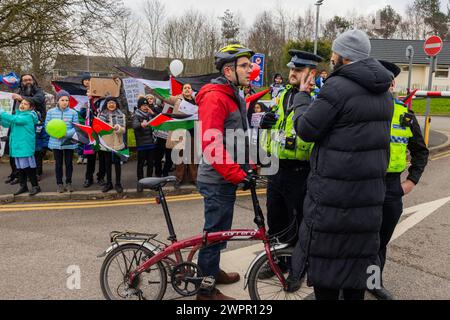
x,y
259,60
433,45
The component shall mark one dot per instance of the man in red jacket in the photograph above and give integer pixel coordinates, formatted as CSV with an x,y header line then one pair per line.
x,y
222,111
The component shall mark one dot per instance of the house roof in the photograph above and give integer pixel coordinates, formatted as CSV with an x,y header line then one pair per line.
x,y
191,66
394,50
72,62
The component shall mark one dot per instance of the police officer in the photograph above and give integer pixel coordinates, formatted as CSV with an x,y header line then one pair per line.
x,y
287,188
405,135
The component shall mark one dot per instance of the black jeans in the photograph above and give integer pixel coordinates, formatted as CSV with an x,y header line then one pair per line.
x,y
146,157
39,155
90,167
392,211
111,159
331,294
101,174
65,156
14,172
286,192
163,152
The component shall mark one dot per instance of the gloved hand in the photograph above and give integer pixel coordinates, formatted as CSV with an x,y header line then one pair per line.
x,y
249,181
268,121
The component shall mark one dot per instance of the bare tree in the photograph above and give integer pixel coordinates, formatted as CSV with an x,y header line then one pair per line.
x,y
155,16
335,26
125,41
266,39
21,21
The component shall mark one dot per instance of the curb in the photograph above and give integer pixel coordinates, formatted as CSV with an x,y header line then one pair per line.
x,y
443,147
94,195
132,193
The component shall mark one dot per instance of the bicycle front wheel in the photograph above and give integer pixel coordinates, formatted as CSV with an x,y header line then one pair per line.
x,y
115,271
262,287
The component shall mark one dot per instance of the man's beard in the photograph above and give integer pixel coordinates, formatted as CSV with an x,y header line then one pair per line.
x,y
27,89
339,63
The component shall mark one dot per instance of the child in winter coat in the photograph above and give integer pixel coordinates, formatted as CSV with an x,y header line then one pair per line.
x,y
112,115
63,148
145,141
22,144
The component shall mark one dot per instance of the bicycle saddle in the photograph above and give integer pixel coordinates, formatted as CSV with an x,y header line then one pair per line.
x,y
155,183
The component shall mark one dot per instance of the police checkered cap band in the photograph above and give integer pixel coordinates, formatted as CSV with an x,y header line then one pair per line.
x,y
300,63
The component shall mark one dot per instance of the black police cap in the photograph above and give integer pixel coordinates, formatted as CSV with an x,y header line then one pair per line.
x,y
392,67
302,59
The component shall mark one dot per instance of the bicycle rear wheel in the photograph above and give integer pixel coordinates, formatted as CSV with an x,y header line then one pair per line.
x,y
271,288
150,285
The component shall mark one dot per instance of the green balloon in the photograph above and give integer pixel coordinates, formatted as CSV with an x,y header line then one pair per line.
x,y
56,128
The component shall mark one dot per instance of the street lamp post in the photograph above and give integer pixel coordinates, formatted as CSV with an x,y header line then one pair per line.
x,y
316,37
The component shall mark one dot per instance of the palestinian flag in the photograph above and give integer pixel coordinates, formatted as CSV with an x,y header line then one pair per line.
x,y
123,155
83,134
255,97
197,82
77,92
172,122
161,88
101,128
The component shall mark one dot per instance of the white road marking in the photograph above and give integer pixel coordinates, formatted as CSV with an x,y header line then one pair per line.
x,y
239,260
417,214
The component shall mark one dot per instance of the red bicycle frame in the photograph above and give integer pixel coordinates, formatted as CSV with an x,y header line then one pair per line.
x,y
208,239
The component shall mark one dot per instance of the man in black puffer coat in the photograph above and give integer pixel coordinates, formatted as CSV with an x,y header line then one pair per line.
x,y
349,122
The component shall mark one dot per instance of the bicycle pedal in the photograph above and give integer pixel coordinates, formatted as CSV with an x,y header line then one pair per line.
x,y
208,284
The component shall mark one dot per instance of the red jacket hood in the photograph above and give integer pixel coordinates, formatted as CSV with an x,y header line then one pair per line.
x,y
217,88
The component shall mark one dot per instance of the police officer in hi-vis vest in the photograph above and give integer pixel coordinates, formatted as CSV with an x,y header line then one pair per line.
x,y
405,135
287,188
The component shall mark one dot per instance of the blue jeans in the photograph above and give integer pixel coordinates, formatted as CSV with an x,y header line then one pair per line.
x,y
219,206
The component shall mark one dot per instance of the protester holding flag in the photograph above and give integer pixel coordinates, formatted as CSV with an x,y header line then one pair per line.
x,y
114,140
186,171
22,144
145,141
161,142
88,112
63,149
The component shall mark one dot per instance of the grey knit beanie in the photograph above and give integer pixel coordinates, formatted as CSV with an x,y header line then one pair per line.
x,y
61,94
353,45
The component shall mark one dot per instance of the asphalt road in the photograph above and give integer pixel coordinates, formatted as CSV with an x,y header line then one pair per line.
x,y
38,246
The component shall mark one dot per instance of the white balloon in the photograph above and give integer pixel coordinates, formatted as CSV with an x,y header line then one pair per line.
x,y
176,67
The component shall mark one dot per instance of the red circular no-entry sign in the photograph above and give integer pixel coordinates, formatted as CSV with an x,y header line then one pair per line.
x,y
433,45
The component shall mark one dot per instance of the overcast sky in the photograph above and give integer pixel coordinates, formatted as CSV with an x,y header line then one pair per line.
x,y
250,9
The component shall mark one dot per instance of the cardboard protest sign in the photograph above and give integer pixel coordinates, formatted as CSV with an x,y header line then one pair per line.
x,y
101,87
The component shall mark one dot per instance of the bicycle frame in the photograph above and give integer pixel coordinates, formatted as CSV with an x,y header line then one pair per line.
x,y
209,239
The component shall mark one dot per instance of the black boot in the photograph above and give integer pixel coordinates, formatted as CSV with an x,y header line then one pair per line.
x,y
119,188
107,187
23,183
9,179
35,191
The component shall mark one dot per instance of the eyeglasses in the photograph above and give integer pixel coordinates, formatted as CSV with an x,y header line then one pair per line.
x,y
246,66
